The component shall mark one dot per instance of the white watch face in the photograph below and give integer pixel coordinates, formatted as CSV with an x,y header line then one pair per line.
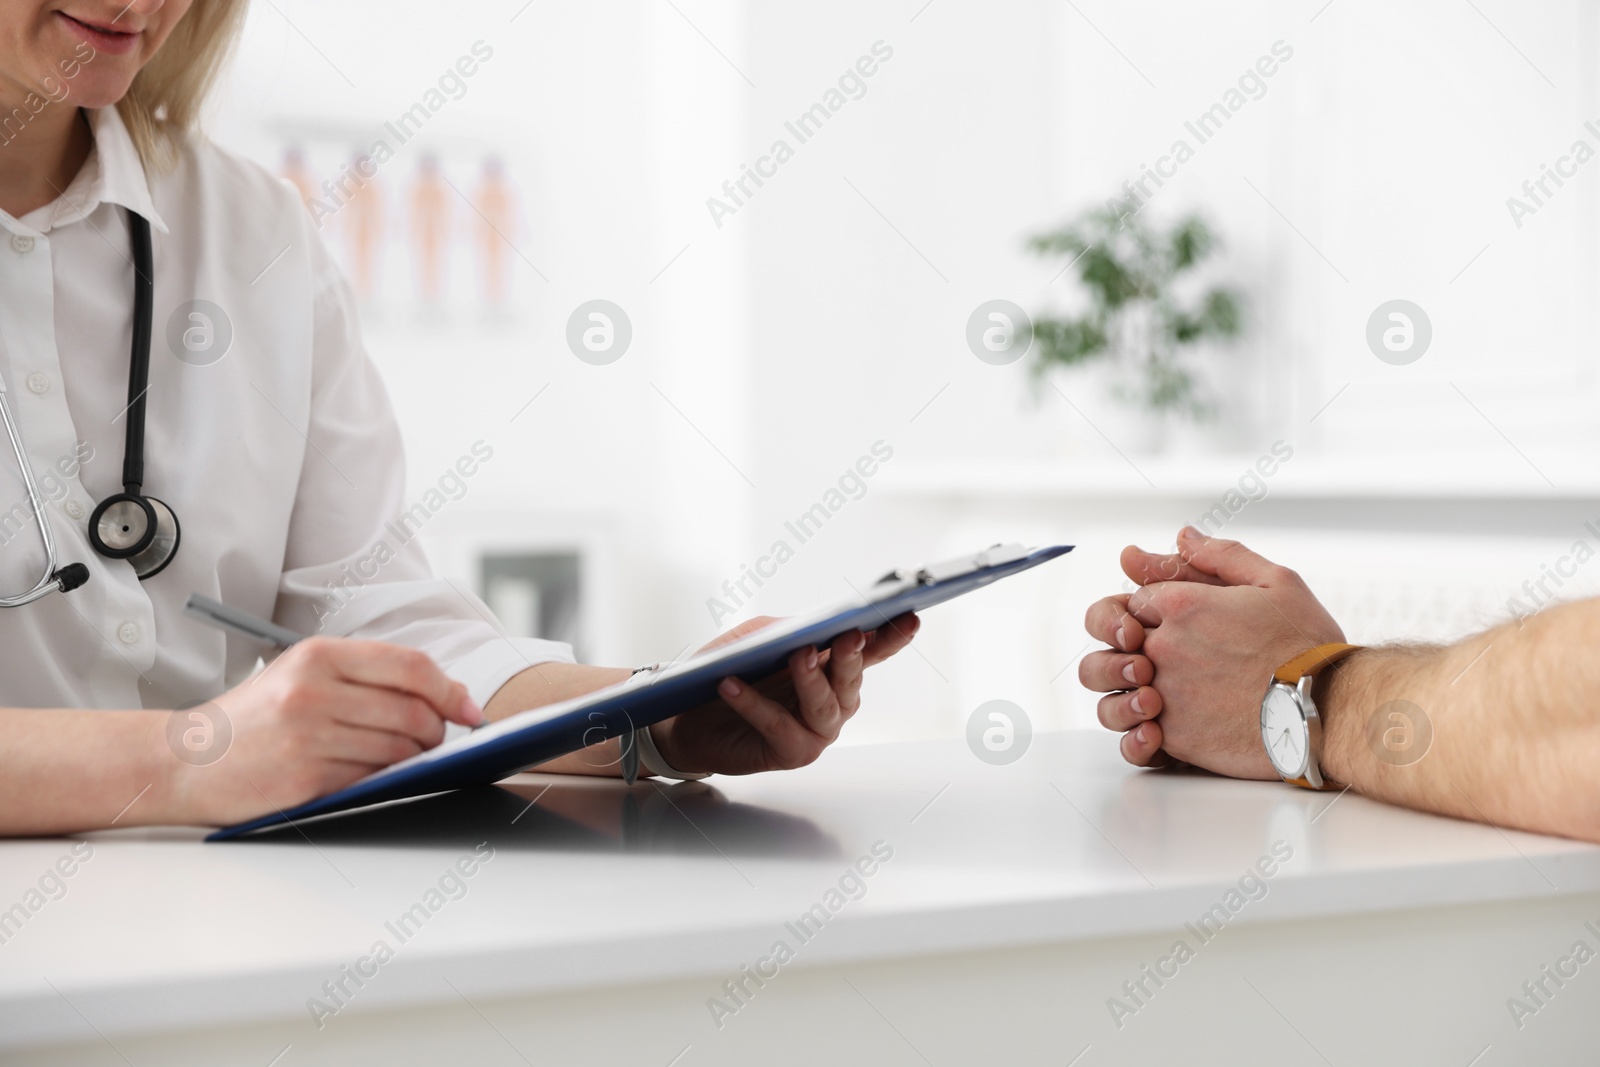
x,y
1283,731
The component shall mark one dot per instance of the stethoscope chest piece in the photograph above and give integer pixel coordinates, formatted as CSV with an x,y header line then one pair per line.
x,y
137,528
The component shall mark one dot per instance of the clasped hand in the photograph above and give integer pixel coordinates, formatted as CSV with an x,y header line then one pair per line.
x,y
1192,649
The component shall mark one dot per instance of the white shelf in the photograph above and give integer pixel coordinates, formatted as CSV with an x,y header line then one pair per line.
x,y
1374,477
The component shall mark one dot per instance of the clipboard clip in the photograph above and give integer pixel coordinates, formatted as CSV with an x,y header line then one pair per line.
x,y
933,573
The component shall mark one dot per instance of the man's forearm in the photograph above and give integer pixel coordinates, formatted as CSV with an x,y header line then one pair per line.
x,y
1514,715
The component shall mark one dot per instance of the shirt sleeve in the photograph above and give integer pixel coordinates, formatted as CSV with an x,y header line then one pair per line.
x,y
352,565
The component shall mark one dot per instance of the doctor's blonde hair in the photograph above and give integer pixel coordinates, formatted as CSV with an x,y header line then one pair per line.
x,y
164,101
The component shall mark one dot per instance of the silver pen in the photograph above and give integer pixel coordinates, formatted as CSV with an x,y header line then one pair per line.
x,y
216,613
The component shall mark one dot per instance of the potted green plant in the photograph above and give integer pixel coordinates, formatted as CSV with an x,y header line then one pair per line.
x,y
1133,275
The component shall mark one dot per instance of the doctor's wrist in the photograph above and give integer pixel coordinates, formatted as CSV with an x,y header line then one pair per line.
x,y
662,734
169,801
195,783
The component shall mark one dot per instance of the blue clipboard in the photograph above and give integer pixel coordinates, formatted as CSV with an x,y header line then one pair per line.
x,y
501,749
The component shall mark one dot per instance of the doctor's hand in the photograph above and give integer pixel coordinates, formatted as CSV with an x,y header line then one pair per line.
x,y
326,713
787,720
1192,651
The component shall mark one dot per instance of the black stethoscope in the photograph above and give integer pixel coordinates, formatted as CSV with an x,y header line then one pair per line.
x,y
129,525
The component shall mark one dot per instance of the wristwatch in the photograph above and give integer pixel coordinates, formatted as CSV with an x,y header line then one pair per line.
x,y
1290,726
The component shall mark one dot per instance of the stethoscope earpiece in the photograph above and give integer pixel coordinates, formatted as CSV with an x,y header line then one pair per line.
x,y
70,577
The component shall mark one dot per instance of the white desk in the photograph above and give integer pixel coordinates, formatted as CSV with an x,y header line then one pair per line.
x,y
1017,902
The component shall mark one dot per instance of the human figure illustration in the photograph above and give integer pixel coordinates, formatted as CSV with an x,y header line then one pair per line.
x,y
430,224
363,226
497,221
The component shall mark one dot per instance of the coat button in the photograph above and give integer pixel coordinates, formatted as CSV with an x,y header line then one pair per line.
x,y
39,383
74,510
129,633
21,242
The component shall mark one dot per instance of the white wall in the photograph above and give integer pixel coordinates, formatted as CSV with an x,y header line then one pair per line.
x,y
828,311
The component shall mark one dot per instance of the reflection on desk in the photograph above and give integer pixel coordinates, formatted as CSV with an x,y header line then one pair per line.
x,y
553,813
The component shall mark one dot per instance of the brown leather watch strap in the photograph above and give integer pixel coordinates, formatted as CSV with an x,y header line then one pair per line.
x,y
1310,662
1313,660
